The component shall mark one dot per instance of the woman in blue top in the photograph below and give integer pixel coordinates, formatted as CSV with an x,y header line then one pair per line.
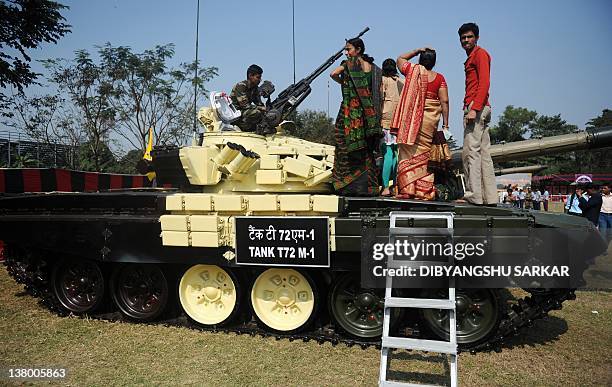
x,y
572,206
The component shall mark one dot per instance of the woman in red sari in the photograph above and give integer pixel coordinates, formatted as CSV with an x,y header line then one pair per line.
x,y
424,99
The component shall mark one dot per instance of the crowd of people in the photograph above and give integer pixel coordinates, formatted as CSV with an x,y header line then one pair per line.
x,y
397,119
526,198
593,203
406,113
386,116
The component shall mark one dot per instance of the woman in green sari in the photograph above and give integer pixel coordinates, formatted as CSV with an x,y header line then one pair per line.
x,y
357,128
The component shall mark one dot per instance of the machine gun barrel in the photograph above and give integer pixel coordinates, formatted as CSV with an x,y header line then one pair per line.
x,y
588,139
290,98
330,61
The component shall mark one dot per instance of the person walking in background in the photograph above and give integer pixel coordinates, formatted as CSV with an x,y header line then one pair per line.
x,y
522,197
545,197
477,163
424,100
391,90
572,205
515,197
605,215
590,204
537,199
529,199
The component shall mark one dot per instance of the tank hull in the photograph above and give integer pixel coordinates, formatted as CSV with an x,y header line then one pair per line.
x,y
107,235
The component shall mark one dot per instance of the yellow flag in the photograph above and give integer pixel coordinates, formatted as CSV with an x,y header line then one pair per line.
x,y
147,154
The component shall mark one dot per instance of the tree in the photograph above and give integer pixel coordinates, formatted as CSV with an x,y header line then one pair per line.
x,y
145,93
599,160
47,120
605,119
513,125
101,161
89,88
24,25
127,164
314,126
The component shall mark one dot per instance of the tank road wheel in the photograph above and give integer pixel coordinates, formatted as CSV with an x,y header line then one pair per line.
x,y
209,294
478,315
140,291
78,285
358,311
284,299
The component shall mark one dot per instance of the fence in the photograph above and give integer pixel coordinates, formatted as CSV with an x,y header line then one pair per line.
x,y
19,150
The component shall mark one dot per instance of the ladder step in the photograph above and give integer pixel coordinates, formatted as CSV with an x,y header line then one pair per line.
x,y
420,345
420,231
391,383
424,303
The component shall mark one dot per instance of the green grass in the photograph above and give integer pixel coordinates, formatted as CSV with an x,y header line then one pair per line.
x,y
571,347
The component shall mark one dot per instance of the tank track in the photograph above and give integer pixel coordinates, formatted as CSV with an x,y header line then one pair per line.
x,y
35,275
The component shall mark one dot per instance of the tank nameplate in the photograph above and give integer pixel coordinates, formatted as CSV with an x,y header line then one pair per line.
x,y
262,203
290,241
293,203
270,162
270,176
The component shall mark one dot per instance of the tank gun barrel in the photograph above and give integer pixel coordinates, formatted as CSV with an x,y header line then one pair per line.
x,y
527,169
588,139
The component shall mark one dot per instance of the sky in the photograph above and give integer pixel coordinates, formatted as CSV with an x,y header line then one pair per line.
x,y
552,56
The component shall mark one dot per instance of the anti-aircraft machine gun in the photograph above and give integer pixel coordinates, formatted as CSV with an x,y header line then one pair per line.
x,y
222,113
289,99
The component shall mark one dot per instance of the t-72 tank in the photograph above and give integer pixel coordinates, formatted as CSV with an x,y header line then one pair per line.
x,y
254,241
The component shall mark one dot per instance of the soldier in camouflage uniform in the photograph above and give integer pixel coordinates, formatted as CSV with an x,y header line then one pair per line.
x,y
246,98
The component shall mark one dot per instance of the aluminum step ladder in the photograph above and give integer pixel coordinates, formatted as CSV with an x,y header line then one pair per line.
x,y
390,342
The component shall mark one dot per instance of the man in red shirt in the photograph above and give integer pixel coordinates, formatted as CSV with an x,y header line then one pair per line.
x,y
480,187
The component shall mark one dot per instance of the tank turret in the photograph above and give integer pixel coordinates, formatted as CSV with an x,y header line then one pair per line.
x,y
227,160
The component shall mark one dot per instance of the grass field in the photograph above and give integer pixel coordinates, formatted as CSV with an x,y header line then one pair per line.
x,y
573,346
